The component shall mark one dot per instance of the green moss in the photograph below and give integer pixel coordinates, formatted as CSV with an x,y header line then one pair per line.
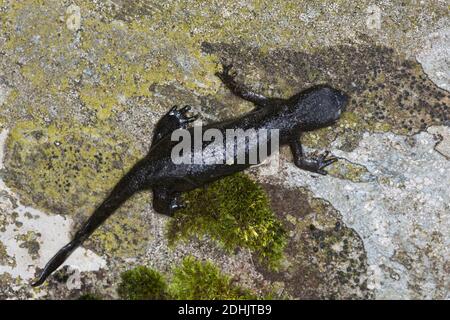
x,y
142,283
191,280
235,211
90,296
195,280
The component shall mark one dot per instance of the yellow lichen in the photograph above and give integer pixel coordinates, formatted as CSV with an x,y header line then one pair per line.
x,y
68,169
56,164
5,259
126,233
344,169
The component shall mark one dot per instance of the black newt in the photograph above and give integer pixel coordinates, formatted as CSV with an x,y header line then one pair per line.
x,y
316,107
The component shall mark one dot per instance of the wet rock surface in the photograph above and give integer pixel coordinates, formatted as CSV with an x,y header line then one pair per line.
x,y
82,86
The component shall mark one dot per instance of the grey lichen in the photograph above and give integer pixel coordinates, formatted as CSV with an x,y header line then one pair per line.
x,y
325,259
6,259
30,241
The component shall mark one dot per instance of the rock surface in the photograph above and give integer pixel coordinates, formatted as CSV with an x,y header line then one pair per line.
x,y
82,86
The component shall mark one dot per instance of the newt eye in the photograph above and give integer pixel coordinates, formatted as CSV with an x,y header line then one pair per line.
x,y
341,99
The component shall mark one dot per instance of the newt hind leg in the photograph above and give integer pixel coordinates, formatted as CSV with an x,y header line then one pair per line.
x,y
174,119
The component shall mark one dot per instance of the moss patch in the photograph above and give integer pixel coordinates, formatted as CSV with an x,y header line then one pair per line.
x,y
90,296
142,283
234,211
191,280
196,280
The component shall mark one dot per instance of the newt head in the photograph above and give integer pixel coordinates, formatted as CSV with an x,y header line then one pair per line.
x,y
319,106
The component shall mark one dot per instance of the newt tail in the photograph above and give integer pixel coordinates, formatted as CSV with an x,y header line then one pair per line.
x,y
124,189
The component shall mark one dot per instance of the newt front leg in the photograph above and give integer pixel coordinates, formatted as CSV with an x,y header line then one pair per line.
x,y
314,164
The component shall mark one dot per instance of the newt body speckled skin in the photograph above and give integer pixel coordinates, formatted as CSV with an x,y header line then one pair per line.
x,y
311,109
